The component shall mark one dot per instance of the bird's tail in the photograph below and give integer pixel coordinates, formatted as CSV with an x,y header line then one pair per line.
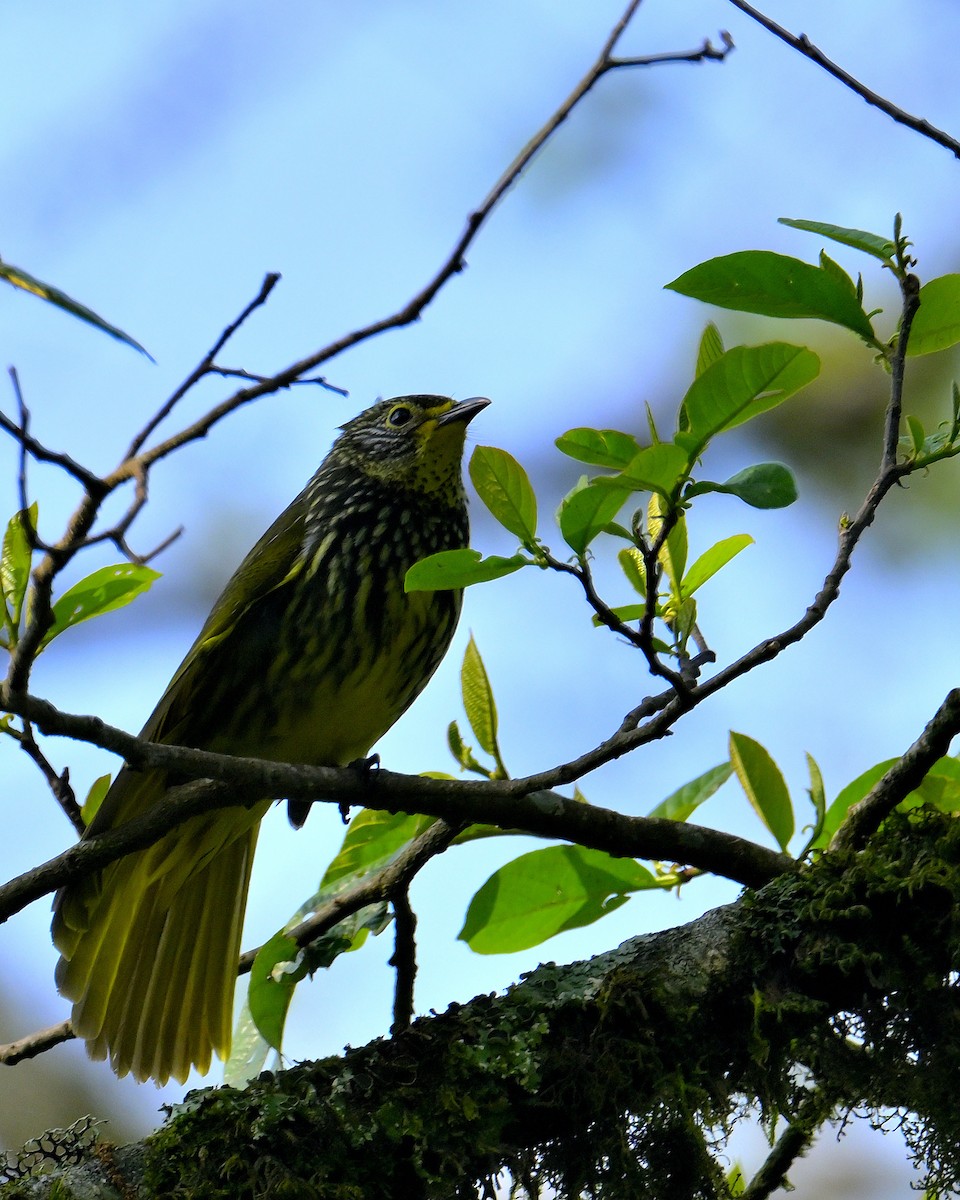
x,y
149,945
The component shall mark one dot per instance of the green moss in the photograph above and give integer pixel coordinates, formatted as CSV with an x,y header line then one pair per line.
x,y
830,990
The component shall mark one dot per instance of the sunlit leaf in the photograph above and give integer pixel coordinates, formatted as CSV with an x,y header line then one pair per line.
x,y
940,788
673,552
546,892
95,796
818,796
764,785
937,322
599,447
371,840
656,468
682,803
27,283
585,512
103,591
478,702
276,971
631,560
746,381
869,243
775,285
461,751
15,556
855,790
763,485
503,486
712,560
710,348
459,569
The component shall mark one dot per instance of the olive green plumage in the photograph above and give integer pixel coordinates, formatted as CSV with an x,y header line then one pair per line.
x,y
310,654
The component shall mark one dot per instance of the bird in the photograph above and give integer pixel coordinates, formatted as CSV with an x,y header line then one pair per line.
x,y
311,653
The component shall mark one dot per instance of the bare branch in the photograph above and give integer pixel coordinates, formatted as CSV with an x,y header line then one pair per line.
x,y
802,44
706,52
59,784
452,265
30,445
204,367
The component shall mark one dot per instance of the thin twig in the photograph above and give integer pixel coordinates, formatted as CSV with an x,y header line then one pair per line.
x,y
452,265
706,52
802,44
59,784
203,367
240,373
30,445
24,415
910,303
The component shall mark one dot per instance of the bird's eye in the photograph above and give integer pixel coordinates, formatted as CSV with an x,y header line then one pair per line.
x,y
399,415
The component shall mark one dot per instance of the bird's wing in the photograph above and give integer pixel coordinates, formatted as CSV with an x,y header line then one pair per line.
x,y
274,561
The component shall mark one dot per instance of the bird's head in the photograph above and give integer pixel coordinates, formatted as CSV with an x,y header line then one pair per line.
x,y
411,442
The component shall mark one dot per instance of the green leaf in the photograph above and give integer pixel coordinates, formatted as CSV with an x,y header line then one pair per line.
x,y
27,283
585,512
462,752
478,702
869,243
248,1051
103,591
746,381
656,468
546,892
940,787
503,486
764,785
712,560
818,797
673,552
917,434
459,569
937,322
855,790
710,349
764,485
371,840
632,612
275,973
15,557
98,789
682,803
631,560
775,285
599,447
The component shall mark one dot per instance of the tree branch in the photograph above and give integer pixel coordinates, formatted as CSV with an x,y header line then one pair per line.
x,y
802,44
611,1070
906,774
403,960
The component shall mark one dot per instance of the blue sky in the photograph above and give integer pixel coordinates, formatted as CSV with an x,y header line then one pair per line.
x,y
158,161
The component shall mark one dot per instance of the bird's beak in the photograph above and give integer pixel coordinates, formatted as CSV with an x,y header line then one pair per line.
x,y
464,411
